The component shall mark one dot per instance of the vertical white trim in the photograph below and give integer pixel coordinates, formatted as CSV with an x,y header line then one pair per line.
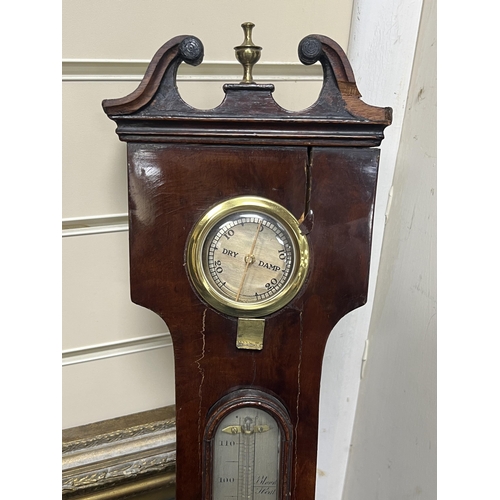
x,y
381,51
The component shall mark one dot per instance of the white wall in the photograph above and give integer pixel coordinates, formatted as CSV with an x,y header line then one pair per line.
x,y
393,454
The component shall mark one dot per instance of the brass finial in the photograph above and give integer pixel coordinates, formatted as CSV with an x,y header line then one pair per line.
x,y
247,53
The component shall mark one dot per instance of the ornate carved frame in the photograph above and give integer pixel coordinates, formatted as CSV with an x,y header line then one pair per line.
x,y
110,459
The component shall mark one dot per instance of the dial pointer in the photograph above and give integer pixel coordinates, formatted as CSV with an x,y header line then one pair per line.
x,y
249,259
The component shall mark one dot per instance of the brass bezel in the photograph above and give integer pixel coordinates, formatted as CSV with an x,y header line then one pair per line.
x,y
194,257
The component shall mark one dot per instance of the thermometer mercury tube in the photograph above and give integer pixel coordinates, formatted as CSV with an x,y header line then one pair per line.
x,y
246,456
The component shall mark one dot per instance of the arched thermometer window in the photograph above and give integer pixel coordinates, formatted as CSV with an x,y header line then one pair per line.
x,y
247,448
246,460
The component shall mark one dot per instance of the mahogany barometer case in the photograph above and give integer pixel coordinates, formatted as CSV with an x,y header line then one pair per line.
x,y
250,235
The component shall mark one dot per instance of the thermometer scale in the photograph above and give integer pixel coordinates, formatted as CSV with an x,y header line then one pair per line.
x,y
247,456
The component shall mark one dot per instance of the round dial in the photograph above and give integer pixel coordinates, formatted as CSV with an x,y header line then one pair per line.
x,y
247,257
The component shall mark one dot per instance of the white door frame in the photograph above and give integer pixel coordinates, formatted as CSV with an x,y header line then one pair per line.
x,y
381,50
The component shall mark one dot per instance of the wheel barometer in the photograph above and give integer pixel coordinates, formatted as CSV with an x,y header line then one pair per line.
x,y
250,234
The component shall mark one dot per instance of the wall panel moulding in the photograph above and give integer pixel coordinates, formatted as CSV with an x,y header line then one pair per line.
x,y
133,70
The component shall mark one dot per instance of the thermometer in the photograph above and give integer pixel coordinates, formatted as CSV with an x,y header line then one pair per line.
x,y
246,456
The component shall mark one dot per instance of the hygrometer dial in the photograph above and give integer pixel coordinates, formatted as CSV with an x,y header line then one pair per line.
x,y
247,257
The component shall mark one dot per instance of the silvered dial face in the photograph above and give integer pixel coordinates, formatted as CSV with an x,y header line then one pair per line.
x,y
248,257
247,456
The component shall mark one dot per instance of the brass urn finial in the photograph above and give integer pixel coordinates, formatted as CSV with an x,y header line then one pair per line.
x,y
247,53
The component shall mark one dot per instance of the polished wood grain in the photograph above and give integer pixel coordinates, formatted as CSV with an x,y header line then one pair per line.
x,y
319,164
